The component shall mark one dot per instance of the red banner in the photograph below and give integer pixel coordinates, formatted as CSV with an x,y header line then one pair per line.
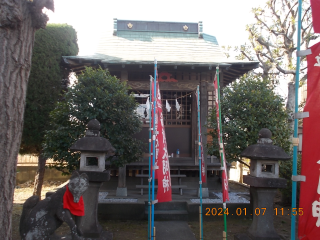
x,y
315,7
203,166
309,221
161,157
221,146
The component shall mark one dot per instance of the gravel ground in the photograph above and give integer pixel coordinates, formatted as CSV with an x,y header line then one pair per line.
x,y
23,191
233,198
125,230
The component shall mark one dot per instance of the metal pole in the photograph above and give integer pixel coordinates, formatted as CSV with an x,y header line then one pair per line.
x,y
153,143
221,152
295,135
200,222
149,182
200,160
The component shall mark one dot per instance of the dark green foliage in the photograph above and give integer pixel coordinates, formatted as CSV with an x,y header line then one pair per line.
x,y
247,106
46,82
96,95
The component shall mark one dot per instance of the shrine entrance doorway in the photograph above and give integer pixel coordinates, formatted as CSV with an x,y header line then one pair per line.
x,y
177,109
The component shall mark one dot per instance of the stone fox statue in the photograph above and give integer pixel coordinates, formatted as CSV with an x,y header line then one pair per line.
x,y
40,219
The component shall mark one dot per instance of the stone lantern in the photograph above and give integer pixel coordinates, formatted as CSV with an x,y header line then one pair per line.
x,y
264,181
94,151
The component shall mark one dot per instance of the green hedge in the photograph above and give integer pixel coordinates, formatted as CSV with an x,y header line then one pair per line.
x,y
47,81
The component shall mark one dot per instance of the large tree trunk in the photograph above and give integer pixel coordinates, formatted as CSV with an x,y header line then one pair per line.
x,y
38,180
18,21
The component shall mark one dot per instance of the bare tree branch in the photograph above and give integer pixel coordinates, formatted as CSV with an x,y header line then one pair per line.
x,y
305,13
247,56
285,71
240,161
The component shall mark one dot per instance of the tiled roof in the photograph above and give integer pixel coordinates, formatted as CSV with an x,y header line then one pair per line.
x,y
171,43
144,47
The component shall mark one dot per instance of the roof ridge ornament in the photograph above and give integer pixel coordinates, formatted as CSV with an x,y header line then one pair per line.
x,y
200,29
185,27
115,26
130,25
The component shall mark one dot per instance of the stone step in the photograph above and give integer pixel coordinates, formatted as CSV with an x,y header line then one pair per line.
x,y
176,205
174,215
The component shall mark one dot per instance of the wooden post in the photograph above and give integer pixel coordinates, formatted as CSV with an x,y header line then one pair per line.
x,y
122,177
194,130
124,75
122,187
221,82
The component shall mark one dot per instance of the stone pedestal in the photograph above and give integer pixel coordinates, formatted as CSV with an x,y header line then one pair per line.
x,y
263,191
262,224
89,223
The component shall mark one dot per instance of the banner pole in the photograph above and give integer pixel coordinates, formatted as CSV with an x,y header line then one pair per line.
x,y
200,164
295,135
221,153
153,144
149,182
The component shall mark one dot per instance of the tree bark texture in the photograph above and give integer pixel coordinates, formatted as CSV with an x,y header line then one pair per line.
x,y
291,103
19,20
38,180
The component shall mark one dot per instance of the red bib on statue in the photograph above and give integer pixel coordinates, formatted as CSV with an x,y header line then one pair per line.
x,y
76,209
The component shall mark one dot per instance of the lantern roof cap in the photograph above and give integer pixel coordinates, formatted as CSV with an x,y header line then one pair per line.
x,y
264,149
92,142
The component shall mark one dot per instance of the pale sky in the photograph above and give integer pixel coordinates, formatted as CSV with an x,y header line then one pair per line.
x,y
226,20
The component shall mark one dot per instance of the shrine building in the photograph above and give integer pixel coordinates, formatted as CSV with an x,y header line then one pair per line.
x,y
186,57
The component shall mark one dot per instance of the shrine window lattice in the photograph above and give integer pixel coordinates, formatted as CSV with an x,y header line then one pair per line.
x,y
210,102
172,117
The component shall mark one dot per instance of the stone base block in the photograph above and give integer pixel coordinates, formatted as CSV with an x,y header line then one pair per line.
x,y
121,192
205,192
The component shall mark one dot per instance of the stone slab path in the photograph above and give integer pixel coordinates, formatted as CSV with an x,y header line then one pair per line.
x,y
173,230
